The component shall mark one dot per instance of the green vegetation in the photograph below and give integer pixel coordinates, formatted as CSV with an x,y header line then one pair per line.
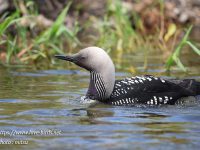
x,y
175,56
24,47
119,30
120,35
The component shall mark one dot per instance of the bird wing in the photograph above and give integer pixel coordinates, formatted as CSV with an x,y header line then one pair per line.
x,y
151,90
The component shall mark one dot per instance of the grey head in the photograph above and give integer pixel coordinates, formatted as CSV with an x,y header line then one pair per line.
x,y
102,71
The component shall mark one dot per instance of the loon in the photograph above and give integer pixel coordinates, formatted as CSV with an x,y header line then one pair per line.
x,y
144,89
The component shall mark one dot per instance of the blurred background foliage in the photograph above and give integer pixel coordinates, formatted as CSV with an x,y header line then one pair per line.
x,y
32,31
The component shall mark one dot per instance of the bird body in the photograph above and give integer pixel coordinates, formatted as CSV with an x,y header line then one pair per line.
x,y
152,90
145,89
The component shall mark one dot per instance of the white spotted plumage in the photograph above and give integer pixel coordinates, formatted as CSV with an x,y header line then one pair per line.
x,y
128,85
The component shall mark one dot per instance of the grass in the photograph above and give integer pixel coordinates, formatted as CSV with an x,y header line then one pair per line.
x,y
26,48
8,22
116,31
9,41
57,30
175,56
119,31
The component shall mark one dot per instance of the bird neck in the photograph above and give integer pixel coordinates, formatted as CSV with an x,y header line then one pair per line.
x,y
101,85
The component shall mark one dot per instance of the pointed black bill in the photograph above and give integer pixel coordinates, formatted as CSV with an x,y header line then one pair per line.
x,y
63,57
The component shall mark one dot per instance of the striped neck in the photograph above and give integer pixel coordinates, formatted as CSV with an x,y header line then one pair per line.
x,y
97,89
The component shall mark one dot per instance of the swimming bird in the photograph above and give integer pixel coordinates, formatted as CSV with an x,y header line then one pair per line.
x,y
144,89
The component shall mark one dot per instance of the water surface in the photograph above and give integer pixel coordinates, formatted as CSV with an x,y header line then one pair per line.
x,y
41,109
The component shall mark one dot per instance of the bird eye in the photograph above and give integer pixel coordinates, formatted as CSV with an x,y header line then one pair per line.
x,y
82,57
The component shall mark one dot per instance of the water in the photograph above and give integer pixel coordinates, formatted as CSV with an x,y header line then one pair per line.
x,y
43,110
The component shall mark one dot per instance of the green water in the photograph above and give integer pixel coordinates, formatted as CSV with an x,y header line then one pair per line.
x,y
41,109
